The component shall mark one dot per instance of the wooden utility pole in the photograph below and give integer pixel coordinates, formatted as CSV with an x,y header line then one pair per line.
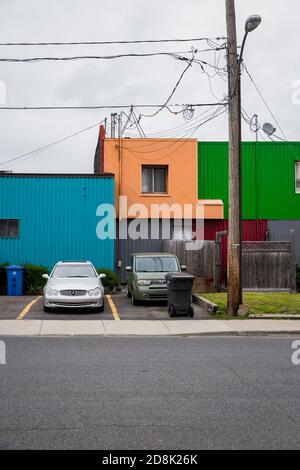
x,y
234,292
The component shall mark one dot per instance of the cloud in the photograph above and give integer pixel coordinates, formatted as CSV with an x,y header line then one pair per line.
x,y
271,55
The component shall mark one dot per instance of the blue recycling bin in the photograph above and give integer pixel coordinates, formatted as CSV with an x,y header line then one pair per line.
x,y
15,280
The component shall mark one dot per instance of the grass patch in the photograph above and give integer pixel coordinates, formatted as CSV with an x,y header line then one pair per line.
x,y
260,302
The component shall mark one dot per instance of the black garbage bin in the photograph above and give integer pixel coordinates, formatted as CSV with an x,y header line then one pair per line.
x,y
180,294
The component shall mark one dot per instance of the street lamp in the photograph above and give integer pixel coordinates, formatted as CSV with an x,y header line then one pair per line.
x,y
252,22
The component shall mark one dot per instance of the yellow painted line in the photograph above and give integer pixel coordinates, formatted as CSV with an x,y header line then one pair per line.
x,y
27,308
113,308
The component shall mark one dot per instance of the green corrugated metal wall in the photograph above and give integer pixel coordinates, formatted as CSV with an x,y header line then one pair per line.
x,y
271,195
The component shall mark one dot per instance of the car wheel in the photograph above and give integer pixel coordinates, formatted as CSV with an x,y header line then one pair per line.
x,y
191,311
101,309
46,309
134,300
129,295
171,311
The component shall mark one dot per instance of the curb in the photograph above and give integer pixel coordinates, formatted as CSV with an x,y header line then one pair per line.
x,y
208,306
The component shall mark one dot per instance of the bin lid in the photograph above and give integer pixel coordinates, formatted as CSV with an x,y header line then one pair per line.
x,y
179,275
14,267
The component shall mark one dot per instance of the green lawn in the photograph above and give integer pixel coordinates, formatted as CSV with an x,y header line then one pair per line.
x,y
260,302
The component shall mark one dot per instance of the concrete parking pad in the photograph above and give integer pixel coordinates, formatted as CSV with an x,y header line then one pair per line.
x,y
275,326
69,327
194,327
133,327
20,328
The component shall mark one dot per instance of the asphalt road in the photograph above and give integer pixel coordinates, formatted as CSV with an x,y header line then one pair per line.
x,y
11,307
149,393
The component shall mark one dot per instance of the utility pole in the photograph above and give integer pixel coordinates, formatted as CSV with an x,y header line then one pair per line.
x,y
234,268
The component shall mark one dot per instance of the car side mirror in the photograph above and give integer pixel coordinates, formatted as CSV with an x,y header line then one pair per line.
x,y
45,276
128,269
183,267
102,276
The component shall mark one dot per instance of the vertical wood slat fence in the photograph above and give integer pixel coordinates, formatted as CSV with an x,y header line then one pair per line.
x,y
267,265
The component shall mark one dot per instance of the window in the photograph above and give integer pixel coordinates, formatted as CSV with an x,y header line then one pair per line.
x,y
298,177
154,179
156,264
9,228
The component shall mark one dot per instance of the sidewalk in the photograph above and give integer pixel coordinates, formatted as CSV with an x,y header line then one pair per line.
x,y
146,327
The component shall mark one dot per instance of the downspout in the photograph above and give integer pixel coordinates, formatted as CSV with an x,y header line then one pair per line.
x,y
218,260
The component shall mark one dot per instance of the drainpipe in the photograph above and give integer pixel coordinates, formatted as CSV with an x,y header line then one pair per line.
x,y
218,260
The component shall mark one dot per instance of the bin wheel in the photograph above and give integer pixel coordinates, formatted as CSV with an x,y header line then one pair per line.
x,y
171,311
191,311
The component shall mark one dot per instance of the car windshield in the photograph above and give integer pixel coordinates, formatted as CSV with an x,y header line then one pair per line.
x,y
73,270
151,264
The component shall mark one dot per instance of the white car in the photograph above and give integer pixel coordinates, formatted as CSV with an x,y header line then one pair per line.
x,y
73,284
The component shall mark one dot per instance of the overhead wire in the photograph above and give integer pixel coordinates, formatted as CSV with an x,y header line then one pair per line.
x,y
139,41
51,144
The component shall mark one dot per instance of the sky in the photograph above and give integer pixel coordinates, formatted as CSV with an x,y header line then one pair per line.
x,y
271,56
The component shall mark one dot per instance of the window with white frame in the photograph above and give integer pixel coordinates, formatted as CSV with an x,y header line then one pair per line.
x,y
297,168
9,228
154,179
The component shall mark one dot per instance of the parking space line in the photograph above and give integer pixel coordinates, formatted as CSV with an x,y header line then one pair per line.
x,y
113,308
27,308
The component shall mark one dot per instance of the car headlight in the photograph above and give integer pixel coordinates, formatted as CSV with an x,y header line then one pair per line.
x,y
144,282
51,292
94,292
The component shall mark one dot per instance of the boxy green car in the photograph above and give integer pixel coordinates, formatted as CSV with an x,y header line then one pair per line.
x,y
147,278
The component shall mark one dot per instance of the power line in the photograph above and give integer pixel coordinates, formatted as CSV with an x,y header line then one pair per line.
x,y
265,102
40,149
102,57
173,91
112,106
45,147
88,43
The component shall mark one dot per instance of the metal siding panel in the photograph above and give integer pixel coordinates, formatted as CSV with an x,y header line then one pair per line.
x,y
129,246
269,195
58,219
213,172
280,231
276,177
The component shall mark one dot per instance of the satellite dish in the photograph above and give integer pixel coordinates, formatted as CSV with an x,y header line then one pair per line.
x,y
269,129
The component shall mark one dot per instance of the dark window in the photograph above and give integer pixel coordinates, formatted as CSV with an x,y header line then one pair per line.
x,y
9,228
154,179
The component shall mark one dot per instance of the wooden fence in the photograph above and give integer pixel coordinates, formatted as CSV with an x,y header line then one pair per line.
x,y
199,262
267,265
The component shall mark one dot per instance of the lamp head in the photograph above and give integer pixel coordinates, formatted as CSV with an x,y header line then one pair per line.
x,y
252,22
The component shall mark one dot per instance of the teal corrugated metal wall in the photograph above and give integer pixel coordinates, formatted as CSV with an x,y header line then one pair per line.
x,y
268,182
57,219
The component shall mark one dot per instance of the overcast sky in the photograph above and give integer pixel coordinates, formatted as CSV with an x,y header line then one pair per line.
x,y
272,56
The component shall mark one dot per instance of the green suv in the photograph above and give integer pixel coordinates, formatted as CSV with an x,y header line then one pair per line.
x,y
147,278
